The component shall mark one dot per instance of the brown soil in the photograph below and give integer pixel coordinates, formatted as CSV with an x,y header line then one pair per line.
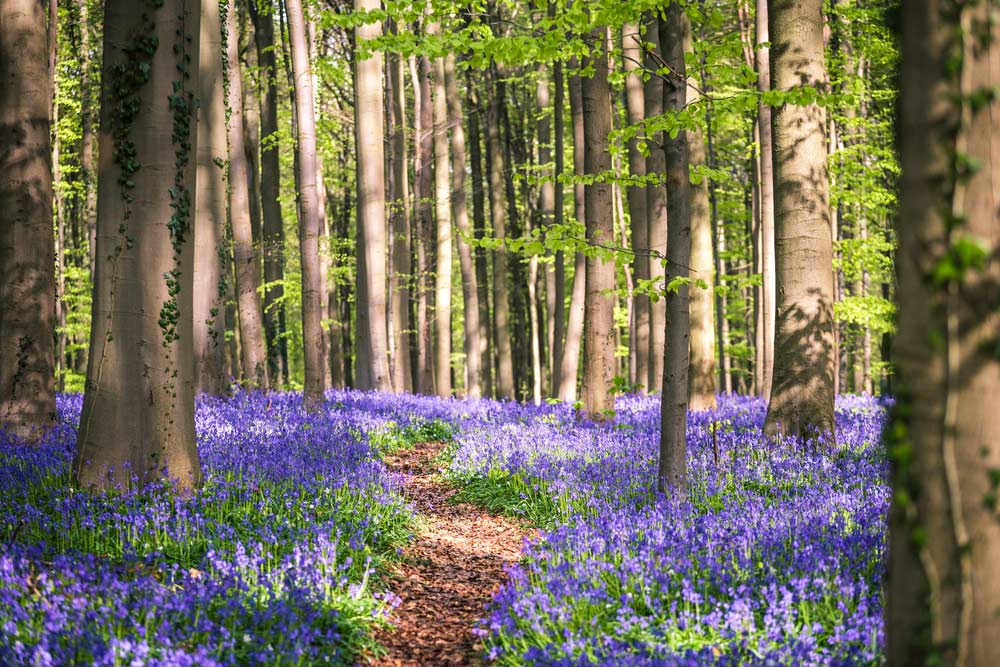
x,y
448,574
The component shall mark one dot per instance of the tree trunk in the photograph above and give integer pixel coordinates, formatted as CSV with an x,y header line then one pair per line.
x,y
137,423
558,296
634,97
312,291
424,176
801,402
443,254
470,286
246,260
701,375
369,125
598,318
479,229
674,34
210,211
766,202
944,537
574,323
545,215
498,210
251,134
399,221
656,204
27,252
87,169
270,190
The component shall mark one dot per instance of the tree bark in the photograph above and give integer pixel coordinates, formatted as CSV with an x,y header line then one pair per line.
x,y
443,254
27,247
210,211
598,318
479,230
312,291
470,284
251,132
574,323
674,404
656,203
944,544
270,190
424,177
632,56
498,210
246,261
137,423
557,311
400,277
801,402
766,203
701,374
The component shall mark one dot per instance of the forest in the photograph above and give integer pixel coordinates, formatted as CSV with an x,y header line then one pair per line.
x,y
515,332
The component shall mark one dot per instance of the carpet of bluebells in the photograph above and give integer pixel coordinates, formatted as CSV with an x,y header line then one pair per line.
x,y
774,558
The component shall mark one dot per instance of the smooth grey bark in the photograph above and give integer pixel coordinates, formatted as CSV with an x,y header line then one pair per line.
x,y
479,230
270,190
672,474
27,246
314,358
210,211
137,422
944,536
443,244
400,276
574,322
369,123
470,285
423,193
656,201
632,56
246,260
801,402
498,210
557,311
766,203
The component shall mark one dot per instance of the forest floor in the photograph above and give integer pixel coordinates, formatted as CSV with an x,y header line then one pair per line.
x,y
449,573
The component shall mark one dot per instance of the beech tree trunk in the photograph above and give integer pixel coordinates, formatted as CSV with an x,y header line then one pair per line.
x,y
574,323
656,203
701,374
944,536
557,311
674,404
399,221
210,211
424,177
369,123
498,210
313,355
801,402
766,203
470,284
137,422
598,319
270,186
632,57
246,261
479,229
443,254
545,216
27,246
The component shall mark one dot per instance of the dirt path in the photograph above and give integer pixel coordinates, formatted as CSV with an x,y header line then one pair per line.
x,y
448,573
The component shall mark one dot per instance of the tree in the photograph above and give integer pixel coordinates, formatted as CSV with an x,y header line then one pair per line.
x,y
399,222
672,473
470,283
369,122
443,254
801,402
210,210
598,319
27,246
656,200
270,189
253,355
309,225
944,586
137,422
765,175
635,102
